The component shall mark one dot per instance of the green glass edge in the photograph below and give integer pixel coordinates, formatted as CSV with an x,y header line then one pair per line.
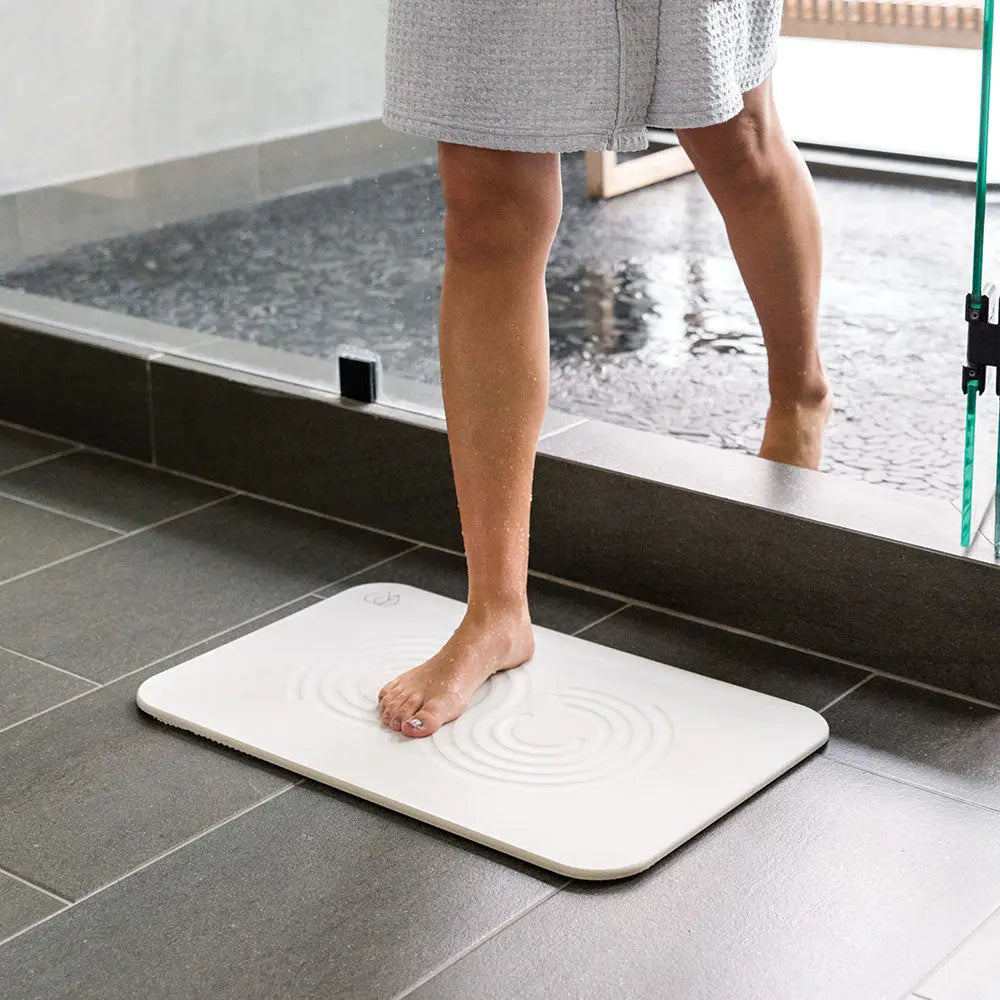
x,y
984,129
972,394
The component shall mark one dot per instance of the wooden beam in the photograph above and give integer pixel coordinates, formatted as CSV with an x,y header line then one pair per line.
x,y
907,22
606,177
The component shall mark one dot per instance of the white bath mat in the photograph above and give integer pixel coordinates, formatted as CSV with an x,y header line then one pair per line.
x,y
587,761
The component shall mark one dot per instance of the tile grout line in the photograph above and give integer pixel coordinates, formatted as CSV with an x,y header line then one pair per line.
x,y
562,430
483,940
850,690
236,491
113,541
41,461
35,885
48,435
603,618
910,784
231,628
176,652
51,666
685,616
333,583
539,574
55,510
954,951
153,861
51,708
733,630
937,690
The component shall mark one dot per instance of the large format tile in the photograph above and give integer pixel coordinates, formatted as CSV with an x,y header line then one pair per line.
x,y
96,787
33,537
726,656
21,905
851,595
746,479
77,386
18,446
60,216
371,464
196,186
10,235
832,883
313,894
973,972
329,156
552,605
921,736
27,687
120,494
123,606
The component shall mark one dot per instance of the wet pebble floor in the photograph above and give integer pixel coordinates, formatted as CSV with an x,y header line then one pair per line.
x,y
650,325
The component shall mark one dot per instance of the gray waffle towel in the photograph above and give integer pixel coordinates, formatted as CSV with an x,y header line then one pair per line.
x,y
565,75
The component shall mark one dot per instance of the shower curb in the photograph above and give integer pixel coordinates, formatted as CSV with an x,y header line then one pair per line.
x,y
846,569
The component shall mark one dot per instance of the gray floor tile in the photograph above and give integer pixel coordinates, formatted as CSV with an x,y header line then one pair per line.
x,y
832,883
128,604
553,605
21,905
973,972
311,895
18,446
96,787
726,656
27,687
33,537
108,490
931,739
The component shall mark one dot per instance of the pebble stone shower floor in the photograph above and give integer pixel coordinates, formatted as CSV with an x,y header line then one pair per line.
x,y
651,326
139,860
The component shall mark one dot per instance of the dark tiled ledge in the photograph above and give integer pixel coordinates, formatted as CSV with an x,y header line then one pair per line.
x,y
845,569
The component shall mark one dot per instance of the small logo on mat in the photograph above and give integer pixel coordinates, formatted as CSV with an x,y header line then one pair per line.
x,y
386,599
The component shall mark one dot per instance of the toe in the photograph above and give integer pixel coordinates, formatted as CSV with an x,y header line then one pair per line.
x,y
432,716
403,710
389,707
388,690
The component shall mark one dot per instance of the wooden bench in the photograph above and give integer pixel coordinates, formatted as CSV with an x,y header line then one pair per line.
x,y
906,22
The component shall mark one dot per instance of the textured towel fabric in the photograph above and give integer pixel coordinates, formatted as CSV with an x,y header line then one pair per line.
x,y
565,75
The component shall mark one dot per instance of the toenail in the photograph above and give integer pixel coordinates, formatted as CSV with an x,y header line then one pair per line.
x,y
416,724
396,724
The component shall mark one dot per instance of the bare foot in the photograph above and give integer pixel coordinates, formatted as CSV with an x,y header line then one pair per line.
x,y
793,433
420,701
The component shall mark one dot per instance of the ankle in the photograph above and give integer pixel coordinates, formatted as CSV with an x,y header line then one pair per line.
x,y
503,611
808,390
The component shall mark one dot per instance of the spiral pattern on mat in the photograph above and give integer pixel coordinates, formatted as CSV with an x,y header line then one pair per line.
x,y
509,732
573,735
346,684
